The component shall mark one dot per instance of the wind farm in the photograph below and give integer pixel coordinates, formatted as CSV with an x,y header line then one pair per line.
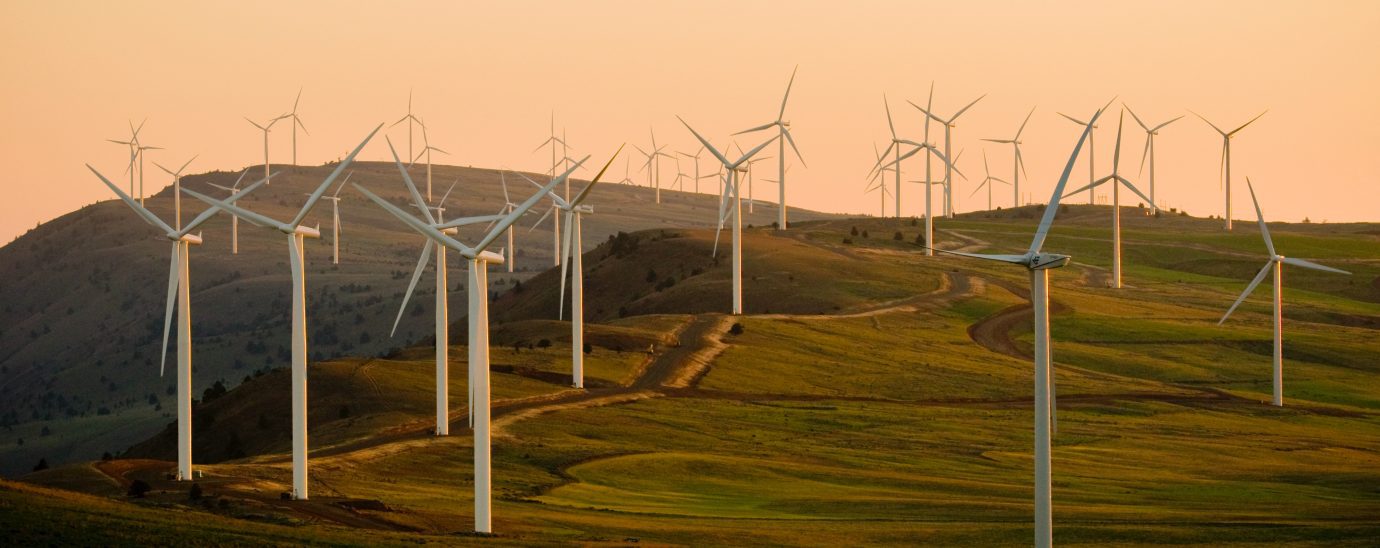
x,y
649,361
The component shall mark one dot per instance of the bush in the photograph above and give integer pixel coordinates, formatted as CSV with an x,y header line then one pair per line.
x,y
737,329
848,241
138,489
195,492
853,232
344,412
898,236
920,239
544,343
651,275
42,465
588,348
864,234
107,457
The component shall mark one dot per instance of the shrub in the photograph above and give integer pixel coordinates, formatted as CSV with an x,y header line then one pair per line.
x,y
195,492
737,329
344,412
864,234
544,343
107,457
898,236
42,465
848,241
138,489
651,275
853,232
588,348
920,239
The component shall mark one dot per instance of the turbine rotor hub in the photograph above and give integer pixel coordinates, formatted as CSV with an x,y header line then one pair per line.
x,y
1047,261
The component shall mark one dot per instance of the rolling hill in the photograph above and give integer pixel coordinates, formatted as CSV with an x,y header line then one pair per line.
x,y
83,295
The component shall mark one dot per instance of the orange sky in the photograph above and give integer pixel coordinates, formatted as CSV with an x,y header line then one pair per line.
x,y
488,75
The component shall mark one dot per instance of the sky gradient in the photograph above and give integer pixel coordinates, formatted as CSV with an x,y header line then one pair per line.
x,y
487,77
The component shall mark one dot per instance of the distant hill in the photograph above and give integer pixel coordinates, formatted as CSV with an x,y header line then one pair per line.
x,y
83,295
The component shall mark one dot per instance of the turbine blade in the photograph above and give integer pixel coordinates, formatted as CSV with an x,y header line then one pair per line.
x,y
145,214
522,208
703,141
253,218
173,276
791,140
1258,277
790,83
1134,117
1022,128
565,262
1133,188
1243,126
758,128
1013,259
412,286
232,198
543,218
1312,265
321,189
1260,217
965,109
424,228
1052,208
580,198
411,187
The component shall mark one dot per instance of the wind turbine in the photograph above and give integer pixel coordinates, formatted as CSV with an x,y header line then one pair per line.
x,y
510,260
878,180
335,218
478,293
1039,264
1150,133
296,122
296,233
653,165
1273,266
141,148
734,206
234,219
1117,180
409,118
895,145
987,181
177,184
1225,175
136,155
179,292
1019,165
442,324
783,127
426,151
948,147
266,127
1092,150
574,259
627,167
752,200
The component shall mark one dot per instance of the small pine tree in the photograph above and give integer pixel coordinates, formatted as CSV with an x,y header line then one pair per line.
x,y
898,236
737,329
854,232
42,465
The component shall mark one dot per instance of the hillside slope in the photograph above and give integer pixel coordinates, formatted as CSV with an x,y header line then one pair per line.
x,y
82,314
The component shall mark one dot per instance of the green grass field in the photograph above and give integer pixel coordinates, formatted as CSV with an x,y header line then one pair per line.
x,y
889,411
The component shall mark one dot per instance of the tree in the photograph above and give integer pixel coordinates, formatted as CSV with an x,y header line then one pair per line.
x,y
107,457
920,239
195,492
42,465
737,329
544,343
853,232
138,489
898,236
588,348
864,234
651,275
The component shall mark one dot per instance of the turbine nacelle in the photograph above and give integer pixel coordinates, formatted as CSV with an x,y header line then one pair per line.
x,y
1046,261
489,257
194,239
305,231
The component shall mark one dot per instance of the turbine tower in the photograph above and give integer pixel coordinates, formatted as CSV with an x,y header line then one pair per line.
x,y
1224,177
734,208
1117,180
1019,163
783,127
1149,151
1273,267
335,218
179,292
296,122
1039,264
478,293
948,147
296,233
234,219
574,261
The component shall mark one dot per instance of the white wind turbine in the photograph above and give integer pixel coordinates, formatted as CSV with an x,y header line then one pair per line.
x,y
265,128
234,219
732,199
574,260
653,165
136,157
1272,266
948,147
335,218
1117,181
442,323
987,181
1039,264
698,177
877,180
783,127
409,118
895,145
1092,150
426,151
296,122
752,199
179,292
296,233
1224,177
1019,162
627,171
510,258
478,293
1149,151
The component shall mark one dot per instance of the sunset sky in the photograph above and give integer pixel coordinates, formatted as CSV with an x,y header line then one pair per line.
x,y
487,77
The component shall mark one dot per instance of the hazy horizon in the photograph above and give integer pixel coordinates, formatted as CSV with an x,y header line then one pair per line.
x,y
487,78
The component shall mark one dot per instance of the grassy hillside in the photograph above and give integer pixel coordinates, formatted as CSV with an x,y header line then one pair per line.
x,y
890,405
83,296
